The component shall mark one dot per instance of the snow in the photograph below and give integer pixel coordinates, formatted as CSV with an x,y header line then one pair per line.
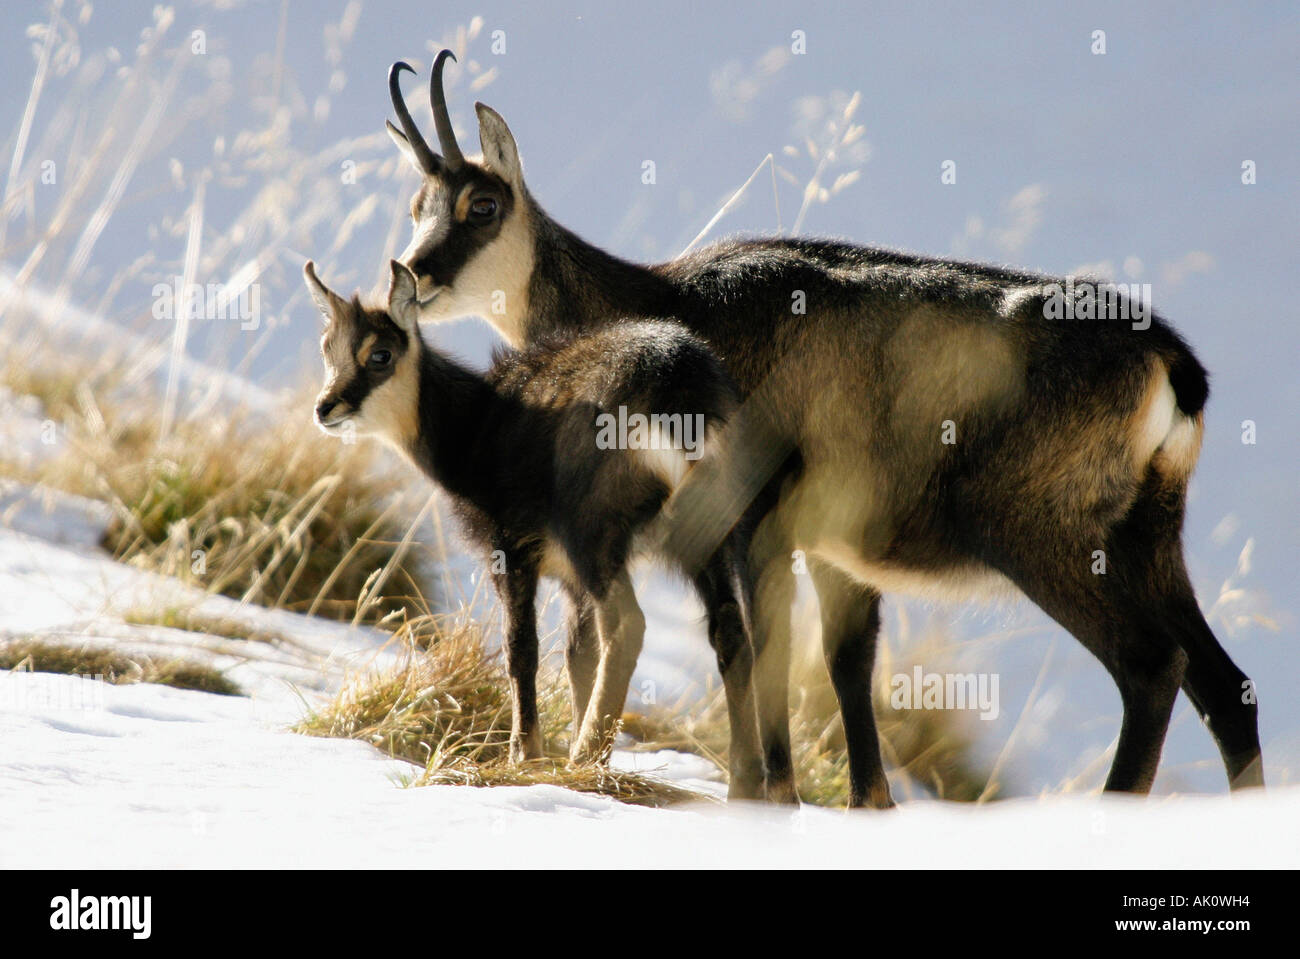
x,y
94,775
65,325
55,581
154,776
23,425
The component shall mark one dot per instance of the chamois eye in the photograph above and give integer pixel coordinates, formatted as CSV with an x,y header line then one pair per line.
x,y
380,359
483,207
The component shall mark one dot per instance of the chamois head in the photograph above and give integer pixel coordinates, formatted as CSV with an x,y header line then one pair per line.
x,y
371,360
471,248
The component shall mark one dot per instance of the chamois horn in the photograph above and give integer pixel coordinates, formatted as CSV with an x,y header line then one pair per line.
x,y
429,161
441,119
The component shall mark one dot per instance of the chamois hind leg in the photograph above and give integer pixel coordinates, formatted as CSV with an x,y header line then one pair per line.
x,y
850,615
581,657
729,638
1148,688
1122,630
1152,535
1221,693
620,625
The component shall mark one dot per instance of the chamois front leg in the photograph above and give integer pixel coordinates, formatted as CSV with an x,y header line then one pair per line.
x,y
621,627
517,588
581,658
850,625
770,591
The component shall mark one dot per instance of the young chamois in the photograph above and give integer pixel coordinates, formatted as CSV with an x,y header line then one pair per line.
x,y
543,481
914,424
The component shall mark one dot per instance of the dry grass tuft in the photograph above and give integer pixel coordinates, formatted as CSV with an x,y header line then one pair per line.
x,y
262,512
252,505
636,789
448,701
445,706
193,621
37,655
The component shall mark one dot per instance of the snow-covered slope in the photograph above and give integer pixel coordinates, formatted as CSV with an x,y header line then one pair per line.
x,y
158,777
144,775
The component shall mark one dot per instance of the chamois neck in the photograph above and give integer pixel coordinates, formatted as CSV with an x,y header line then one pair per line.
x,y
575,284
451,403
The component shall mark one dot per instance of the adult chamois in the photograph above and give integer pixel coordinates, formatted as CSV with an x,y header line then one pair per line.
x,y
923,425
561,461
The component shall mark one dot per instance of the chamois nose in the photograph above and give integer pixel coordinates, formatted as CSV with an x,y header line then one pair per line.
x,y
323,409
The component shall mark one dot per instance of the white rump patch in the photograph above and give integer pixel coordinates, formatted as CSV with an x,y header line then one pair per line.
x,y
1156,418
1163,430
1182,445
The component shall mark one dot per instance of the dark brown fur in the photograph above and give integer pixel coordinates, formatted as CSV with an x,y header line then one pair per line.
x,y
518,451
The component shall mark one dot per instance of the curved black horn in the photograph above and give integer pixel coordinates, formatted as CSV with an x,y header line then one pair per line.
x,y
428,160
441,120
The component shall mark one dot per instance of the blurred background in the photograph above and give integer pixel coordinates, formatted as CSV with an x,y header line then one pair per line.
x,y
225,142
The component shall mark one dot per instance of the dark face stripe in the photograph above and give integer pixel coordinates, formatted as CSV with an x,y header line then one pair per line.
x,y
357,327
443,263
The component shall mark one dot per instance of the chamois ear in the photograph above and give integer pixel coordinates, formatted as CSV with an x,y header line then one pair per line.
x,y
500,154
403,144
403,306
325,299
